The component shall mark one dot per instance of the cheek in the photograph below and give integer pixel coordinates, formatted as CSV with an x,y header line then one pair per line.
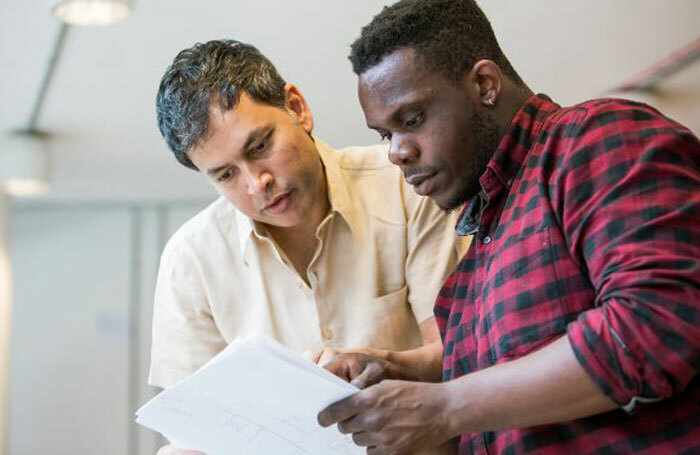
x,y
441,137
239,197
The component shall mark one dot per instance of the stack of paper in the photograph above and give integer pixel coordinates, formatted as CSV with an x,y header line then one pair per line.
x,y
255,398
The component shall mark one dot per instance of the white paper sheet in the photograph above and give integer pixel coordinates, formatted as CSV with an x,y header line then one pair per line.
x,y
255,397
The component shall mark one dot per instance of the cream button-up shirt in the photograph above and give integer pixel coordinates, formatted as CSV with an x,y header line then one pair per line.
x,y
382,256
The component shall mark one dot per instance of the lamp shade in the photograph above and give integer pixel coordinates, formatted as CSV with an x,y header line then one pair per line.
x,y
91,12
24,163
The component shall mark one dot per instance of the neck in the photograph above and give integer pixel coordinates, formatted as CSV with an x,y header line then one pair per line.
x,y
299,242
512,98
304,230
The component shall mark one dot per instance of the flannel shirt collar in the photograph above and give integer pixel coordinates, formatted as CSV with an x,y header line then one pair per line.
x,y
507,159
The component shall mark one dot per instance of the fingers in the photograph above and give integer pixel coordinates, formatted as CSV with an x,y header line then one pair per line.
x,y
354,425
363,439
360,430
339,367
371,375
339,411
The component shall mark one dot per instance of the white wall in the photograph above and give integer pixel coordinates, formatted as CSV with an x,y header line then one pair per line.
x,y
84,275
5,315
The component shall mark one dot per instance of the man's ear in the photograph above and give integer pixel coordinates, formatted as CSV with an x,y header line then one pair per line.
x,y
297,106
484,82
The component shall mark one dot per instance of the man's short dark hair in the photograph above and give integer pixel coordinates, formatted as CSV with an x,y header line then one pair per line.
x,y
214,71
449,35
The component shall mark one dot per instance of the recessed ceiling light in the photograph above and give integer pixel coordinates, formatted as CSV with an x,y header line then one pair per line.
x,y
91,12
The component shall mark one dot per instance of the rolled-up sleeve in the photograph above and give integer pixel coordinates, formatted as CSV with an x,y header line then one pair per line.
x,y
632,217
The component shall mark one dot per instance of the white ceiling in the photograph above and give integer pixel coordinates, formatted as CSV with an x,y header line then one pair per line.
x,y
100,104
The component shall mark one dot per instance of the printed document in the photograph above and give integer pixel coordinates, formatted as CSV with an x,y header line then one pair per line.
x,y
255,397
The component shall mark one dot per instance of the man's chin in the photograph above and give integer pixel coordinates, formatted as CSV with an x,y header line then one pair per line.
x,y
455,202
283,222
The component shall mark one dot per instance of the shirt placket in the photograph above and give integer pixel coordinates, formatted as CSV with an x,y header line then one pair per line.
x,y
308,291
491,188
313,271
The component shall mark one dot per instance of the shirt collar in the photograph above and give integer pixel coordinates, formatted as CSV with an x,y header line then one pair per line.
x,y
246,228
508,158
338,195
516,143
468,222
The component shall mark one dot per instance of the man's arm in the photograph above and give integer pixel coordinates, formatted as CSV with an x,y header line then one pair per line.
x,y
364,367
184,334
424,363
399,417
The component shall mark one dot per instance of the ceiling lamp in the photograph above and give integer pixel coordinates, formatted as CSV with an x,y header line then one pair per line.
x,y
24,163
91,12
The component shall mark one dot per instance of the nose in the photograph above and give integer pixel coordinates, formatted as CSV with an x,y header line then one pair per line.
x,y
257,180
402,151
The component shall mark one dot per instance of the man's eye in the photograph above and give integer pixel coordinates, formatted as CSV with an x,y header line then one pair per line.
x,y
414,121
258,149
226,176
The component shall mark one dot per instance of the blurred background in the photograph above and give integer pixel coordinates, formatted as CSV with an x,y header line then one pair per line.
x,y
90,193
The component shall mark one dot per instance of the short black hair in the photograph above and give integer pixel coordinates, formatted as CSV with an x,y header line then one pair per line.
x,y
449,35
218,70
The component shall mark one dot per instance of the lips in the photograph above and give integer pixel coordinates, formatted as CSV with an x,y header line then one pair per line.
x,y
421,182
278,204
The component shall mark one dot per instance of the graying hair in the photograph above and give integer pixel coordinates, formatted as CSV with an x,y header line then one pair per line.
x,y
217,70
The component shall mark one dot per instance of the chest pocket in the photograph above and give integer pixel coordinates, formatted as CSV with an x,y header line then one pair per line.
x,y
521,306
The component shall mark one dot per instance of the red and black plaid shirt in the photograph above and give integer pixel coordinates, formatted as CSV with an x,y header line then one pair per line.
x,y
588,225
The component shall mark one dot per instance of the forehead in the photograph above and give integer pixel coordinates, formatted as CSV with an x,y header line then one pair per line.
x,y
399,77
246,111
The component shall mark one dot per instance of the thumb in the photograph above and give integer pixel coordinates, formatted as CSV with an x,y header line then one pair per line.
x,y
367,378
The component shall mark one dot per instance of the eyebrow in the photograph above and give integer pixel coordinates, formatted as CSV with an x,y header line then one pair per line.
x,y
395,116
252,137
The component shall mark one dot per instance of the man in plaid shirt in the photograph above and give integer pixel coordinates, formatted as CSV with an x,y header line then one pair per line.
x,y
572,325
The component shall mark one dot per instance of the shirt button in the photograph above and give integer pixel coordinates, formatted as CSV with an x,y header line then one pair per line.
x,y
509,182
327,334
487,240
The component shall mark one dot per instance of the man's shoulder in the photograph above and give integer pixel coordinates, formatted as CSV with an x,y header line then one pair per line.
x,y
373,185
206,225
365,159
603,115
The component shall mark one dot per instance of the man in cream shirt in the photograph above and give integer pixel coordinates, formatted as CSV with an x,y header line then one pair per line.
x,y
315,247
